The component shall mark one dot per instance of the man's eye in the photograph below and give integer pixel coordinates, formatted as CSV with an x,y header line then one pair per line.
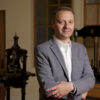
x,y
60,22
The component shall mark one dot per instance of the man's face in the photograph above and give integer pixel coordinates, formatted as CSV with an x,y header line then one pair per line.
x,y
64,24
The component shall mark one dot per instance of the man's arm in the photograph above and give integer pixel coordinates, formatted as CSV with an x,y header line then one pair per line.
x,y
61,89
87,80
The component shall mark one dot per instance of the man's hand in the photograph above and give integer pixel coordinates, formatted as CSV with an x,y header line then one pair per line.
x,y
84,95
61,89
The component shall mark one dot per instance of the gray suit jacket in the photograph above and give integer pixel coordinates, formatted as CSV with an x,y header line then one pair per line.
x,y
50,69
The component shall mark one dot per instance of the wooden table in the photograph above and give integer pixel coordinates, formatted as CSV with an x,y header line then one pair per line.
x,y
16,80
95,92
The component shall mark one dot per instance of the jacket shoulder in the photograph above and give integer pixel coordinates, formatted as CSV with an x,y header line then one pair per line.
x,y
78,45
43,46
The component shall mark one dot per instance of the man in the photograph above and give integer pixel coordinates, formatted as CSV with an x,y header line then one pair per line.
x,y
62,66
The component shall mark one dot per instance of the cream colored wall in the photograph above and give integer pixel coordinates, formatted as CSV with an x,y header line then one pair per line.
x,y
19,18
78,7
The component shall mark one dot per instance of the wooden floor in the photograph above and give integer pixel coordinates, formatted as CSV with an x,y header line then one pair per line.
x,y
95,92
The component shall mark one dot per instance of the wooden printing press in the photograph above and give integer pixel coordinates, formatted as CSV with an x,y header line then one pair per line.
x,y
16,74
94,33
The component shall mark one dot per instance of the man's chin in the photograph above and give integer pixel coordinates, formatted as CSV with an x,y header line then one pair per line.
x,y
65,37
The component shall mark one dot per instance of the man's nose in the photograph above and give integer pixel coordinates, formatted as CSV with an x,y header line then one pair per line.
x,y
66,25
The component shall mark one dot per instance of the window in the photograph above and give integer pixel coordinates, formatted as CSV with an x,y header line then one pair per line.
x,y
43,13
92,12
92,18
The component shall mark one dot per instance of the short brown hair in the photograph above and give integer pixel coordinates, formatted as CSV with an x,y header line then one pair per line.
x,y
61,9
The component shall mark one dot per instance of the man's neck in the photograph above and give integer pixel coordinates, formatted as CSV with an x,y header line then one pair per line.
x,y
65,41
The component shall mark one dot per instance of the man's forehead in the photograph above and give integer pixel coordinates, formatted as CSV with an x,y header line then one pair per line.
x,y
64,13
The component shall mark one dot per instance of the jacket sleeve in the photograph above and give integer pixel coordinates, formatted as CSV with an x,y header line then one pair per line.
x,y
87,80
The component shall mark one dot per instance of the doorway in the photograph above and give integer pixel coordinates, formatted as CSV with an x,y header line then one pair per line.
x,y
2,51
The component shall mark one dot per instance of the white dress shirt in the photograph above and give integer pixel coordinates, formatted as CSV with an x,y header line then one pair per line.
x,y
66,53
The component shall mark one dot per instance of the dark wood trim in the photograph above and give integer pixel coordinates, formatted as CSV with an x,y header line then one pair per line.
x,y
2,51
3,37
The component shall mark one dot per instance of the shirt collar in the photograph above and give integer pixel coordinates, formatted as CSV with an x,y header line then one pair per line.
x,y
61,44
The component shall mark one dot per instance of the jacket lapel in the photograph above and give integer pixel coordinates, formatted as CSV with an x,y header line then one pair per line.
x,y
60,59
58,55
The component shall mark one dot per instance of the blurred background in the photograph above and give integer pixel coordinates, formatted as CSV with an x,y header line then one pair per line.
x,y
31,21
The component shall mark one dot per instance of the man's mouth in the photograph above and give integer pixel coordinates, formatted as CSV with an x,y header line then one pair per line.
x,y
66,30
